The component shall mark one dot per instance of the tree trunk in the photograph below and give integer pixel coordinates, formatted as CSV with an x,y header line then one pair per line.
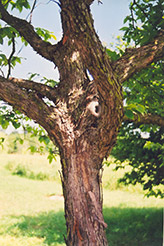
x,y
90,115
83,198
90,111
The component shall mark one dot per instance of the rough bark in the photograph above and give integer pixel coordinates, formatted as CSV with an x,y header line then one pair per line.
x,y
85,114
83,199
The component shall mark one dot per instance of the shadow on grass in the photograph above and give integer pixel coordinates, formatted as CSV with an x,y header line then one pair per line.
x,y
50,226
134,226
126,227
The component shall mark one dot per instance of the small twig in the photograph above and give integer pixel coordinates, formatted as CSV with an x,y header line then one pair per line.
x,y
2,72
32,9
55,2
99,1
7,3
145,14
11,56
133,19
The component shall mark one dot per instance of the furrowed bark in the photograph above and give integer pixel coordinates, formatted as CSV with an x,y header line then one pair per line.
x,y
83,202
91,109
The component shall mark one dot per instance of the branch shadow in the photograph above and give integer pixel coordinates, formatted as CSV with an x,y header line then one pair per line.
x,y
126,226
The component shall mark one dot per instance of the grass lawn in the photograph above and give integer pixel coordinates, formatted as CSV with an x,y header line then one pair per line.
x,y
31,207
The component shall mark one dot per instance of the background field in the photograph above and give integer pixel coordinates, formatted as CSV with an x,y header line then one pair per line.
x,y
31,205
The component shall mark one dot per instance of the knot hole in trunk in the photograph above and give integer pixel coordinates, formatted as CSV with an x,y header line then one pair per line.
x,y
94,107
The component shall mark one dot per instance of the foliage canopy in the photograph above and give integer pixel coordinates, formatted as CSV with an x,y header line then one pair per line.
x,y
142,143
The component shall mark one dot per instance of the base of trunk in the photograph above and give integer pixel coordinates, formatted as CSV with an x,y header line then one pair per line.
x,y
83,200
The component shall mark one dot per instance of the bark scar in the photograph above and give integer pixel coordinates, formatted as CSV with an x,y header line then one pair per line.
x,y
97,210
66,36
76,229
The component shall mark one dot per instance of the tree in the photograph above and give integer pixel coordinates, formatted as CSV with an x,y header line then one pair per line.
x,y
86,108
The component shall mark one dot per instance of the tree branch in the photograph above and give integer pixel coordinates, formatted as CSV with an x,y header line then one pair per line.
x,y
146,119
27,97
28,102
11,55
14,95
7,3
136,59
43,90
26,30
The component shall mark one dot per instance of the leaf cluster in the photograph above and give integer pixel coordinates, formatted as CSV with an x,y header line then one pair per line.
x,y
143,93
39,133
45,34
145,155
145,20
139,145
8,116
142,145
16,4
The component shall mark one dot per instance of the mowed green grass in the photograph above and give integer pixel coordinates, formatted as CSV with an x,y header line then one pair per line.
x,y
31,210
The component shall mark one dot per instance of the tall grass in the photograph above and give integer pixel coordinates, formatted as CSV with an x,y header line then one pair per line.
x,y
24,171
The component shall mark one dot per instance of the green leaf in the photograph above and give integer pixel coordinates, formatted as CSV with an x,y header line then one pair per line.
x,y
33,75
50,158
44,139
45,34
1,40
33,149
16,124
113,55
53,36
129,114
2,140
140,108
21,141
24,41
124,28
154,146
20,4
3,60
3,122
14,60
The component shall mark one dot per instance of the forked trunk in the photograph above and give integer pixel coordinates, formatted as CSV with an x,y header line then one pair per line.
x,y
83,198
